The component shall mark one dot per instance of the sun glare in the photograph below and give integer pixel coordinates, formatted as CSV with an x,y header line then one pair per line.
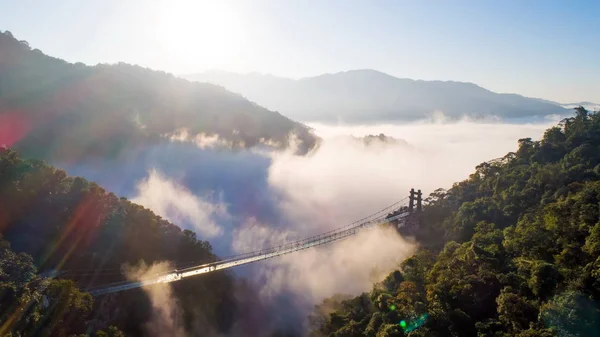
x,y
200,32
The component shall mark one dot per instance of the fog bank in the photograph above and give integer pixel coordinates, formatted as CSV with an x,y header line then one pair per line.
x,y
244,200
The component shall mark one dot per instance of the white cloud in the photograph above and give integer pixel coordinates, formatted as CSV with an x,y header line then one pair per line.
x,y
587,106
177,204
349,266
253,235
202,140
344,180
166,315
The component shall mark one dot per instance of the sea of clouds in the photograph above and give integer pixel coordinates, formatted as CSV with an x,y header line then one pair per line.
x,y
248,199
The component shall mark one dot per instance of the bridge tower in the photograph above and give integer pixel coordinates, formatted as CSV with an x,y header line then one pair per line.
x,y
411,221
415,196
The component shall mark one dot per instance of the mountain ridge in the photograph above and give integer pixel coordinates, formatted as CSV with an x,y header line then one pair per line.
x,y
367,95
97,110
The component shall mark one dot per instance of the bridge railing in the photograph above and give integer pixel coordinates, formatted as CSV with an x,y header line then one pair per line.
x,y
264,254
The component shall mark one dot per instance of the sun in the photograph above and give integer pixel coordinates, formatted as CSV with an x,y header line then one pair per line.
x,y
200,33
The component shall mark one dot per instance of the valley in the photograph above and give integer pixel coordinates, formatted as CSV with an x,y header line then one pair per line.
x,y
158,197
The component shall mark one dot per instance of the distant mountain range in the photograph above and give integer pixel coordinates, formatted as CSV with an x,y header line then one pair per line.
x,y
50,108
364,96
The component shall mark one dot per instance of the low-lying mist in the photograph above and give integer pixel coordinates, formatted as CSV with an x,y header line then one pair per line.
x,y
245,200
166,318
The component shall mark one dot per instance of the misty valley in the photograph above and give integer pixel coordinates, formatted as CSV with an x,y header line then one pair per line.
x,y
138,202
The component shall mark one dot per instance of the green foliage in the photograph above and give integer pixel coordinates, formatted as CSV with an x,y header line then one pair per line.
x,y
514,311
31,305
390,330
84,234
374,324
544,279
572,314
512,251
112,331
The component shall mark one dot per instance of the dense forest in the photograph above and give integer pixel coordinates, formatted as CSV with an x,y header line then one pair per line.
x,y
56,110
34,306
73,229
514,250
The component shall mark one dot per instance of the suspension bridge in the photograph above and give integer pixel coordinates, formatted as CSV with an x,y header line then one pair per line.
x,y
399,214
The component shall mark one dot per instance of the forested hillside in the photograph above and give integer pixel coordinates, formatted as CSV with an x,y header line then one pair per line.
x,y
53,109
34,306
512,251
72,228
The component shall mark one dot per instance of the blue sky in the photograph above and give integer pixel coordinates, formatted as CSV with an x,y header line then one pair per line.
x,y
548,49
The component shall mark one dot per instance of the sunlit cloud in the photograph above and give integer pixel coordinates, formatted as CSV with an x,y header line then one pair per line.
x,y
347,178
350,265
179,205
275,197
344,179
202,140
166,316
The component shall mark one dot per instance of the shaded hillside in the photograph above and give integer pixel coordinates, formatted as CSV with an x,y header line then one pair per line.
x,y
53,109
78,231
514,250
31,305
369,96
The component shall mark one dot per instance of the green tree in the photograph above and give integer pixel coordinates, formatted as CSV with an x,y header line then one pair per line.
x,y
511,251
571,314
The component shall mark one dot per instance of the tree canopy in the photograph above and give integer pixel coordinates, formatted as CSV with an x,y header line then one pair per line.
x,y
514,250
74,230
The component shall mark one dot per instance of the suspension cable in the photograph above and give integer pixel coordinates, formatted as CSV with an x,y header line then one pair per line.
x,y
258,255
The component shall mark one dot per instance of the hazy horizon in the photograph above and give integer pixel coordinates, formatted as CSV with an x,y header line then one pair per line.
x,y
277,76
542,49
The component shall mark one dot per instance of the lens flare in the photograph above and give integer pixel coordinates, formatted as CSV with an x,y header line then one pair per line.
x,y
413,324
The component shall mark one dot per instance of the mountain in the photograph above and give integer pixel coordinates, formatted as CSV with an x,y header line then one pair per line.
x,y
511,251
50,108
370,96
